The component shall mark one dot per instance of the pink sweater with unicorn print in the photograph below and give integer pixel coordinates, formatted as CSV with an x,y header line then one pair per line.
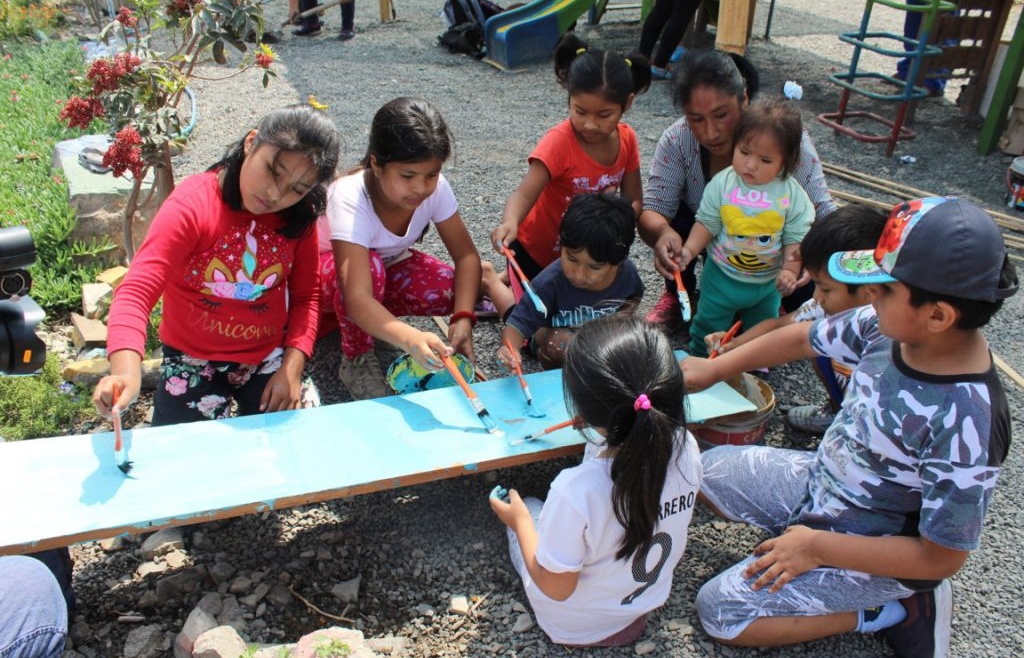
x,y
233,288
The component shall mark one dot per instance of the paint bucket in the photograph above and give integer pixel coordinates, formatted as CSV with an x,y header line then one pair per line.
x,y
1015,184
743,428
407,376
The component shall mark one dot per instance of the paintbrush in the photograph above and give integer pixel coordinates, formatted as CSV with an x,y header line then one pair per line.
x,y
120,451
726,338
519,374
474,399
537,302
684,299
547,430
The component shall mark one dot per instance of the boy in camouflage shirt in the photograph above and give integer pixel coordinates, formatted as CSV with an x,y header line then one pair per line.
x,y
870,527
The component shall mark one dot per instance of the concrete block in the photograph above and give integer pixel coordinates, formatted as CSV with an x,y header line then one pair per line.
x,y
87,332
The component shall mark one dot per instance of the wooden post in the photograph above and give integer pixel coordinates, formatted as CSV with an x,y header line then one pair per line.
x,y
387,12
735,18
1006,89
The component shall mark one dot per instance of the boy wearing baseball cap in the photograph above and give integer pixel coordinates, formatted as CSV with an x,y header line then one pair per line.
x,y
868,529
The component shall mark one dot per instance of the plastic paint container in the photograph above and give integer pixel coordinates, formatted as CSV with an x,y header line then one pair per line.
x,y
745,428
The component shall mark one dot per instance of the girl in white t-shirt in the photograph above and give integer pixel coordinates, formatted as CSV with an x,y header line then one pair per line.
x,y
368,270
599,554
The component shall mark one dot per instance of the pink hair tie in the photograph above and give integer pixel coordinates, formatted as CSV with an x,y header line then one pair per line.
x,y
642,402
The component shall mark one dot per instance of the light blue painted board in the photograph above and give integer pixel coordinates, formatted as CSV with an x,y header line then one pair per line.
x,y
62,490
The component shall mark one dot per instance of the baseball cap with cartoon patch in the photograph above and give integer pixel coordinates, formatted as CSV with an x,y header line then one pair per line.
x,y
945,245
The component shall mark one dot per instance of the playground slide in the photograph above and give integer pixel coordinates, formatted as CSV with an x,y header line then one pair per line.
x,y
526,35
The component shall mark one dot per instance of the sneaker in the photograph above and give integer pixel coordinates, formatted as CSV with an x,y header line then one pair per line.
x,y
346,34
677,54
362,376
659,73
811,418
666,311
925,632
485,309
306,30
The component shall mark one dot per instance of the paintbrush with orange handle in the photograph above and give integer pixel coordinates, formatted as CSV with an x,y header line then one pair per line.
x,y
684,299
120,452
538,303
729,335
519,374
474,399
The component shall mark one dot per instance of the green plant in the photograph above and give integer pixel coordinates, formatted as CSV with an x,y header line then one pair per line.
x,y
331,648
22,18
249,652
283,652
33,80
41,405
136,93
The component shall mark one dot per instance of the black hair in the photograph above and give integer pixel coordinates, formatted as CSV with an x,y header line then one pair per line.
x,y
581,69
608,365
294,129
727,72
847,228
603,224
408,130
972,313
780,119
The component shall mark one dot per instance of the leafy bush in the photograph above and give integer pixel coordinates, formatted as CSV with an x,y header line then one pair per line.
x,y
41,405
34,79
28,18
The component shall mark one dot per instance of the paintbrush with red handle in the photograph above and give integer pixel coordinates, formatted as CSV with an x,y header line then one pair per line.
x,y
538,303
120,451
729,335
474,399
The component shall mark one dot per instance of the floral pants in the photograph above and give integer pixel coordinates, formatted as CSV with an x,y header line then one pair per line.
x,y
418,285
192,389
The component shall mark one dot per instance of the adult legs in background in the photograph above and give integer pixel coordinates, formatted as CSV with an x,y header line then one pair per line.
x,y
33,614
348,15
309,25
911,26
668,19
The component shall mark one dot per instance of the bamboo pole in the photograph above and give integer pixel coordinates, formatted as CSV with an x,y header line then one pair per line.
x,y
1010,372
907,192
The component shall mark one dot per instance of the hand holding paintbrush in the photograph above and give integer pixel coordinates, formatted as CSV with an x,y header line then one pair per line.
x,y
120,450
729,335
474,399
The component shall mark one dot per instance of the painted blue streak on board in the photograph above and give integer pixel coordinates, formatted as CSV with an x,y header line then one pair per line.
x,y
68,486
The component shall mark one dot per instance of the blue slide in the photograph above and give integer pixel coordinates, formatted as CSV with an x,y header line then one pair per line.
x,y
527,35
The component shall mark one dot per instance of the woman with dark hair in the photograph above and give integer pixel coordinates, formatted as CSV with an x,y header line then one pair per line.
x,y
233,254
713,90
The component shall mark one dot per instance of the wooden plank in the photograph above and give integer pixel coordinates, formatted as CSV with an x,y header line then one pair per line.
x,y
63,490
1006,89
387,11
735,18
1007,370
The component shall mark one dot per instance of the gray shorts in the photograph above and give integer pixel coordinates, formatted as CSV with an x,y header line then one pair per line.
x,y
762,486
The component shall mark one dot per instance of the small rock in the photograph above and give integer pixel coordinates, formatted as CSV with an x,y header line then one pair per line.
x,y
146,642
348,591
389,646
219,642
147,568
199,621
524,622
240,585
211,603
458,605
424,610
175,559
645,647
279,595
200,541
161,542
111,544
222,571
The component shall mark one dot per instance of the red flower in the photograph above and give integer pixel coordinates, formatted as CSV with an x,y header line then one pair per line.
x,y
124,153
264,60
79,112
106,74
126,18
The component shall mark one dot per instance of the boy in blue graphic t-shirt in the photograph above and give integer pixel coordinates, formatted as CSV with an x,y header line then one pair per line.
x,y
592,278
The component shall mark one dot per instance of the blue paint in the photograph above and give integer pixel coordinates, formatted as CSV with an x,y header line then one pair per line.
x,y
185,473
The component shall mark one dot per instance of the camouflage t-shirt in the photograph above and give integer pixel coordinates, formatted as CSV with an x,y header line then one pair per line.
x,y
909,453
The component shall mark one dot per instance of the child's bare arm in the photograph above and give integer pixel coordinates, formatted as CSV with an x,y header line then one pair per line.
x,y
777,347
516,516
787,278
519,204
633,189
800,549
699,238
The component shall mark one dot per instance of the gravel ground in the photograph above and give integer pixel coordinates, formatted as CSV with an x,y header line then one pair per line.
x,y
417,547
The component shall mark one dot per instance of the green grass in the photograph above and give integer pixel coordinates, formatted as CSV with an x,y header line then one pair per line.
x,y
35,80
31,407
